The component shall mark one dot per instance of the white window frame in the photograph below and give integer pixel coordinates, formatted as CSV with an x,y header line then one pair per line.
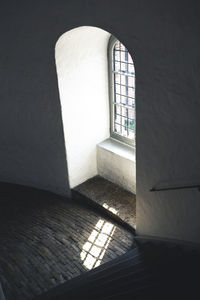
x,y
113,134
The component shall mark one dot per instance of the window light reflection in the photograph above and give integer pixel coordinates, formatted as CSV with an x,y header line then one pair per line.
x,y
94,249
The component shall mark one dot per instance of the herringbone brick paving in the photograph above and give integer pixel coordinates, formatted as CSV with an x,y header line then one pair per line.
x,y
42,238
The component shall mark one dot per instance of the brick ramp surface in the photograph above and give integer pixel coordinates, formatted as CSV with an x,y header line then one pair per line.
x,y
42,236
112,196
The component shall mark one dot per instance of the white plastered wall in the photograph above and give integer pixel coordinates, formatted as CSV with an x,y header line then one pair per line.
x,y
117,163
81,61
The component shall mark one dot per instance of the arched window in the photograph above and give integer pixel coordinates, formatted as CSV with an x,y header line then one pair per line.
x,y
122,92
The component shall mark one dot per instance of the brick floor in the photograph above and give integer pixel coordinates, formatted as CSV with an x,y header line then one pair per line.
x,y
46,240
104,192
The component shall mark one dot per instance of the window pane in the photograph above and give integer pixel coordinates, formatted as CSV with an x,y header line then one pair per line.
x,y
117,87
123,100
124,132
123,56
117,107
117,66
117,55
124,122
117,99
124,92
124,111
131,134
123,67
131,92
131,102
117,119
130,113
123,79
131,81
131,69
117,128
117,78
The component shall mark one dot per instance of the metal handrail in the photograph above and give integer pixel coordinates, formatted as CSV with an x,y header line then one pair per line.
x,y
178,187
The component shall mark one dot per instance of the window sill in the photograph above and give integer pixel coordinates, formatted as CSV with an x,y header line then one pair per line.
x,y
118,148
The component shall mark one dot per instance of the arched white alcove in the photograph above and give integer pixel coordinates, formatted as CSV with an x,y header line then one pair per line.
x,y
82,69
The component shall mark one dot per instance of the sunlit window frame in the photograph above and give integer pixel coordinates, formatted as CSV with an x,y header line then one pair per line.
x,y
113,134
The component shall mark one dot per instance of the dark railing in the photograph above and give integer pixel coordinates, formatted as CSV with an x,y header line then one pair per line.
x,y
178,187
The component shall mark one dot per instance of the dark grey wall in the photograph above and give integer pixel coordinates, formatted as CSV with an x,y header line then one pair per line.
x,y
163,37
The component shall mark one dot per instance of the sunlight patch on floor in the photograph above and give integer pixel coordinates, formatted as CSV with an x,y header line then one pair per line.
x,y
94,249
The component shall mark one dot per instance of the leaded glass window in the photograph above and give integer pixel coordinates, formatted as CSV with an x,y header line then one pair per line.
x,y
122,85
